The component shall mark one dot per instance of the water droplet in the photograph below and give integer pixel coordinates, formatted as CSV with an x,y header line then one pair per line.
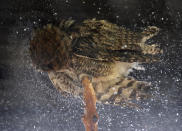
x,y
177,114
55,14
177,80
160,114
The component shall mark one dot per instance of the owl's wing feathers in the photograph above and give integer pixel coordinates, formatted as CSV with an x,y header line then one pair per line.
x,y
110,36
102,40
86,46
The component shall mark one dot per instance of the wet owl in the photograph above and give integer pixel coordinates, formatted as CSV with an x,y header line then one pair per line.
x,y
103,51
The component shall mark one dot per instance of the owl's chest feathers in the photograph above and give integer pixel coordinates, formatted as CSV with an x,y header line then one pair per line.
x,y
118,70
68,80
101,70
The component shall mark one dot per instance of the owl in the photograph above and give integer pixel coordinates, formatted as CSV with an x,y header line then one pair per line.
x,y
103,51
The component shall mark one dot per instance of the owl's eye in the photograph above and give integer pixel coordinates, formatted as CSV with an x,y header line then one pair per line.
x,y
46,67
50,66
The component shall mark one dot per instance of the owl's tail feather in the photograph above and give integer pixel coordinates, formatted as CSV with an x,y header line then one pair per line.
x,y
152,49
150,31
123,92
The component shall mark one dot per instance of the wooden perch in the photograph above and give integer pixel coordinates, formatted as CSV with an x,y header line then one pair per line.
x,y
90,118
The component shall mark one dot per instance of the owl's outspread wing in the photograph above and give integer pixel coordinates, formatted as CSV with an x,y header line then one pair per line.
x,y
105,52
103,40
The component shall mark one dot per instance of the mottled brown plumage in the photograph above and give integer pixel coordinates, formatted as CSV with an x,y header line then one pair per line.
x,y
105,52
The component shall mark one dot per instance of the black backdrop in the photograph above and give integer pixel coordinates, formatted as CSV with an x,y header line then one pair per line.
x,y
28,100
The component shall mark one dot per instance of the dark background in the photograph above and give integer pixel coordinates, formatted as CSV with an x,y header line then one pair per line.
x,y
28,100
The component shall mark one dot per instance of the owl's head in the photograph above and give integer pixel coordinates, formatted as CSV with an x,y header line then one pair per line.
x,y
49,48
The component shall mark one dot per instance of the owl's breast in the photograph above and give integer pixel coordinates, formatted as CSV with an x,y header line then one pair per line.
x,y
66,81
117,70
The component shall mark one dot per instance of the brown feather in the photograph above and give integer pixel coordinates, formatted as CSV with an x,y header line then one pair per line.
x,y
96,48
